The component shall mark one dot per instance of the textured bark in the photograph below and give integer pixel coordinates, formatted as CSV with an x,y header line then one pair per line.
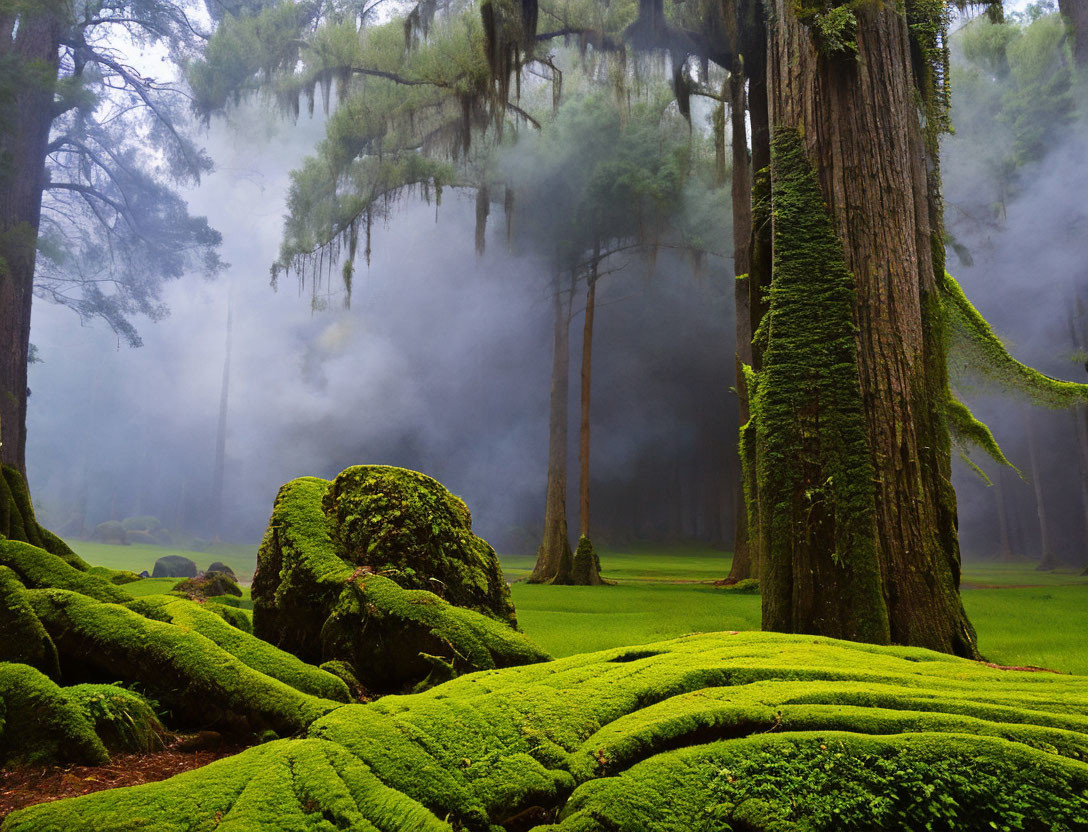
x,y
30,41
742,238
554,559
1075,13
862,131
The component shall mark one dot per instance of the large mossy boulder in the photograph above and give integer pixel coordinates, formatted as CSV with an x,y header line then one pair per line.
x,y
338,569
174,566
209,585
760,732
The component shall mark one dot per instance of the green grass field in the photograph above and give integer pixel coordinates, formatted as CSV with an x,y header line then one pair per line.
x,y
1023,617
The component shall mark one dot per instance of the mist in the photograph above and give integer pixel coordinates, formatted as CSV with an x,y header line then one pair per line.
x,y
441,364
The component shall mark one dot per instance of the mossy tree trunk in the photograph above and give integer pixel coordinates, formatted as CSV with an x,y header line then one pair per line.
x,y
554,559
742,237
29,42
857,509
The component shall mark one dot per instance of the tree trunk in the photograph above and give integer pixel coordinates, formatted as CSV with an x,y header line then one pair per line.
x,y
742,238
221,432
554,559
859,520
1075,13
583,443
1046,554
28,44
1004,547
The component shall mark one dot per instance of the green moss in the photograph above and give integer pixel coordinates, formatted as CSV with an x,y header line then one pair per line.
x,y
814,469
586,570
117,577
975,343
656,738
344,672
123,720
313,603
38,569
408,527
17,521
252,652
967,430
199,681
39,725
174,566
23,639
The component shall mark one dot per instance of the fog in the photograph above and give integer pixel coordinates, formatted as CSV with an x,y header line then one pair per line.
x,y
442,364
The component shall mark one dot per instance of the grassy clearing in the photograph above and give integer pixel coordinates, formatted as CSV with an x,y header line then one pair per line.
x,y
1023,617
240,557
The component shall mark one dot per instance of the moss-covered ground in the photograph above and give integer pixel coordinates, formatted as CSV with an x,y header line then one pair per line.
x,y
716,732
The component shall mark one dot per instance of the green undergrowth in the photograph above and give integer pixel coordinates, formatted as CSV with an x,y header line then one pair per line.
x,y
39,725
123,719
765,731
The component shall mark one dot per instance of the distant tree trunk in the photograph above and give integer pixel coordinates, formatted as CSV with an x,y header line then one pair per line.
x,y
1080,412
221,432
583,444
742,567
857,509
1046,555
29,41
554,559
1075,13
1004,546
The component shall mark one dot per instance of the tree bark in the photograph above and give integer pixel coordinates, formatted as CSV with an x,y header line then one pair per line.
x,y
1046,554
583,444
29,43
554,559
860,127
1075,13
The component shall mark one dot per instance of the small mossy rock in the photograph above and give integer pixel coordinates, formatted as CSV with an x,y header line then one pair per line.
x,y
209,585
745,586
752,731
23,639
111,532
141,538
200,682
408,527
117,577
219,566
39,725
174,566
143,523
310,601
122,718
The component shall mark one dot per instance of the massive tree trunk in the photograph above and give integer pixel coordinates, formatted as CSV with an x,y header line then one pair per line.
x,y
554,559
857,510
28,57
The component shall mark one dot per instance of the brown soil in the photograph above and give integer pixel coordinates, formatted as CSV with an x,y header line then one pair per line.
x,y
25,787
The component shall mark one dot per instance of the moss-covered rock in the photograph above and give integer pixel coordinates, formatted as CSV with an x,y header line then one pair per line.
x,y
408,527
312,601
39,725
209,585
117,577
174,566
750,731
111,532
219,566
123,719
